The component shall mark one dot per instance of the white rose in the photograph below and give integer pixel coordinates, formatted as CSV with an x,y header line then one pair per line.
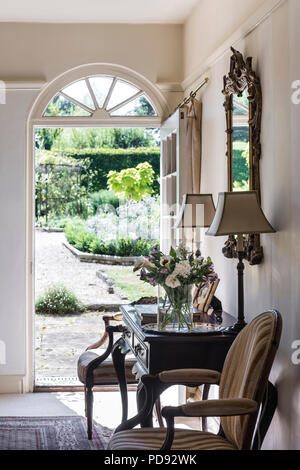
x,y
172,281
183,268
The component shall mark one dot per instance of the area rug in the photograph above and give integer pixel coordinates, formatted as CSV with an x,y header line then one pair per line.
x,y
51,433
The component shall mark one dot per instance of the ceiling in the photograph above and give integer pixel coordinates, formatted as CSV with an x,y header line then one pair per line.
x,y
97,11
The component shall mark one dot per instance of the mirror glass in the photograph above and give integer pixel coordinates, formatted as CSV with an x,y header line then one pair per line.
x,y
240,143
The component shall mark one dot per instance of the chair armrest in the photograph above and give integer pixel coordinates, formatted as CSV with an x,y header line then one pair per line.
x,y
190,376
222,407
99,359
154,385
107,319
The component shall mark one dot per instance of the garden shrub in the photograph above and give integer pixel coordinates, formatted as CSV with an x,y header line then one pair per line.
x,y
57,222
101,197
132,184
78,236
58,299
82,239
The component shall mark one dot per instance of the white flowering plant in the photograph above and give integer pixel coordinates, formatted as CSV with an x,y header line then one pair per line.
x,y
58,299
176,273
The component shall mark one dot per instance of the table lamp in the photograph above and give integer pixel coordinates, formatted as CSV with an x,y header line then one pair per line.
x,y
197,210
239,213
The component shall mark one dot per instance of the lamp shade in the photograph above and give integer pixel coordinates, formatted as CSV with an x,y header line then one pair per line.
x,y
239,213
197,210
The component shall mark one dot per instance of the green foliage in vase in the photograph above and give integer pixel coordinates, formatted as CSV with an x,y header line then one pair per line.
x,y
179,268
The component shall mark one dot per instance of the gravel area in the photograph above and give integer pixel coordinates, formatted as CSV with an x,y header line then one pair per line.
x,y
54,263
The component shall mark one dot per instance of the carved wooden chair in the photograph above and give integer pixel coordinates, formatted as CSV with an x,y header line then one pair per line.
x,y
96,370
243,385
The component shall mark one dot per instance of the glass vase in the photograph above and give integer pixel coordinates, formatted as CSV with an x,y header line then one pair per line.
x,y
175,308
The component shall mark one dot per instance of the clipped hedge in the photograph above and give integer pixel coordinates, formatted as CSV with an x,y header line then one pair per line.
x,y
100,161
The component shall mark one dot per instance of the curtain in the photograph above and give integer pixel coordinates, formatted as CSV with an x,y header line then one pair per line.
x,y
193,145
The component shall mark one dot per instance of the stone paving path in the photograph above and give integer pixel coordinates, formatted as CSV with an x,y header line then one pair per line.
x,y
60,339
54,263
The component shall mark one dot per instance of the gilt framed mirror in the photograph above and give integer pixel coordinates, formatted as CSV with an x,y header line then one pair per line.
x,y
243,108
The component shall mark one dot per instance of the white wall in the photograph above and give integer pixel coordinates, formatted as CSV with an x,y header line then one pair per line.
x,y
274,46
13,117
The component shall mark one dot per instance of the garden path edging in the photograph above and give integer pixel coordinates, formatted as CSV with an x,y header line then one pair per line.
x,y
104,259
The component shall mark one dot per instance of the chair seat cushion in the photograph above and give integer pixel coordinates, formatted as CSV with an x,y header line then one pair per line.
x,y
153,439
105,373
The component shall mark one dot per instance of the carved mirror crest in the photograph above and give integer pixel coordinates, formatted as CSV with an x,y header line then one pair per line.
x,y
243,107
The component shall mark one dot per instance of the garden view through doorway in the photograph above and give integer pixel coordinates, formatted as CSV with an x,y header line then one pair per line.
x,y
97,193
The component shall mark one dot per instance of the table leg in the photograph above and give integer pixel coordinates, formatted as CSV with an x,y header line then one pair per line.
x,y
140,401
147,421
119,351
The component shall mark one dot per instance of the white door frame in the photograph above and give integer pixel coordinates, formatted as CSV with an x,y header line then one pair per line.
x,y
35,120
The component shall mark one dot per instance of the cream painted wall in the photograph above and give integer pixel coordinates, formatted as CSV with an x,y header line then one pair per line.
x,y
210,24
43,51
274,46
13,116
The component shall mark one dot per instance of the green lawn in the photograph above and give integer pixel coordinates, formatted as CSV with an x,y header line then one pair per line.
x,y
125,279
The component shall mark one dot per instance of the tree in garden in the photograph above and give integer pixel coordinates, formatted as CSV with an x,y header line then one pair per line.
x,y
44,138
132,183
59,191
61,140
240,166
144,108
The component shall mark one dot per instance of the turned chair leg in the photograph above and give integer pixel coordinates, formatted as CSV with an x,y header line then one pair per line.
x,y
89,410
157,408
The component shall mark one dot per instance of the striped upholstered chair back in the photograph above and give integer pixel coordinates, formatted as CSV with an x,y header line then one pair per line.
x,y
246,370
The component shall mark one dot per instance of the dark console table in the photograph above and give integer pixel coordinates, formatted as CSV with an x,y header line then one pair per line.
x,y
205,348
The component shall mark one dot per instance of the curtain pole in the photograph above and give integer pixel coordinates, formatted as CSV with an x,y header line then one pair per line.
x,y
191,95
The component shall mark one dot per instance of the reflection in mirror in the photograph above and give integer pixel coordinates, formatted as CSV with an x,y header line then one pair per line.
x,y
243,108
240,143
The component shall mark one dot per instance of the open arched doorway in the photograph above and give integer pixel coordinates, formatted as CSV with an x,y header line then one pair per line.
x,y
96,95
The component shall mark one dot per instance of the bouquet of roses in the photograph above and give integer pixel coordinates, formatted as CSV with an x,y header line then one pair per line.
x,y
175,274
177,269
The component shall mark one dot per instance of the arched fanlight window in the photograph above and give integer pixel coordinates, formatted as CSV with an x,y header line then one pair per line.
x,y
100,94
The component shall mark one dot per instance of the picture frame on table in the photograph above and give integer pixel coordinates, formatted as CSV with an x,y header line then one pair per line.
x,y
203,295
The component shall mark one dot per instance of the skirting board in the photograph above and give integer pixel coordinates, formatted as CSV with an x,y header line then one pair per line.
x,y
11,383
